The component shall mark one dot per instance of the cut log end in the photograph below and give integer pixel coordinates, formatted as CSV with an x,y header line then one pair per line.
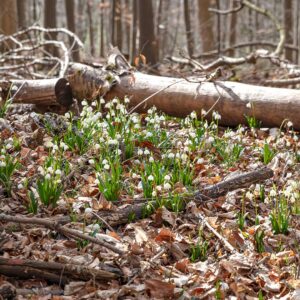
x,y
63,92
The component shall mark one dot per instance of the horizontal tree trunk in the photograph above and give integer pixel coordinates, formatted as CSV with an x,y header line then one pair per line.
x,y
40,92
179,98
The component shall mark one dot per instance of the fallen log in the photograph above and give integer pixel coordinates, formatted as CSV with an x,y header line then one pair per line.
x,y
179,97
52,271
44,92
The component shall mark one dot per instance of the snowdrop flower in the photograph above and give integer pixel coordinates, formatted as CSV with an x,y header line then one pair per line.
x,y
159,188
249,195
48,176
200,160
115,101
193,115
289,124
126,100
20,186
97,181
203,112
94,103
84,103
167,186
106,166
8,146
216,115
50,170
14,88
140,152
88,211
154,194
58,172
97,146
102,101
210,140
2,164
248,105
151,159
150,178
146,152
273,193
167,178
171,155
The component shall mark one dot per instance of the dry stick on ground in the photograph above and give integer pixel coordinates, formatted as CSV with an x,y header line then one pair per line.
x,y
53,271
137,211
61,229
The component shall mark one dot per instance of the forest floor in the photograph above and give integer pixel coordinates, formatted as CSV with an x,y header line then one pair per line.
x,y
244,245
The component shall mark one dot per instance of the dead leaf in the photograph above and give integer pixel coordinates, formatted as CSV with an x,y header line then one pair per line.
x,y
159,289
165,235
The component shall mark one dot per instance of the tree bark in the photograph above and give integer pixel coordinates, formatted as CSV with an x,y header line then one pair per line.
x,y
188,28
22,13
50,22
70,10
179,97
206,26
148,45
40,92
133,30
232,29
91,28
288,24
8,17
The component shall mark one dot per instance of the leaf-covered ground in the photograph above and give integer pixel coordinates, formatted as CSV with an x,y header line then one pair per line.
x,y
244,245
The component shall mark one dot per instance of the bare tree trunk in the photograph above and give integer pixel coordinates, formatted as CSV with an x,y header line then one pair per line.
x,y
22,13
148,45
288,23
50,22
219,41
206,26
188,28
8,17
113,23
127,17
133,29
118,21
70,8
232,29
91,29
158,29
101,28
81,19
297,31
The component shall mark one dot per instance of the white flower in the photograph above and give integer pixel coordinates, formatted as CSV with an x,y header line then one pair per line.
x,y
97,146
134,175
150,178
159,188
200,160
88,211
41,170
102,101
273,193
210,140
50,170
193,115
248,105
167,186
8,146
97,181
48,176
146,152
151,159
58,172
154,194
126,100
84,103
203,112
171,155
216,115
249,195
115,101
94,103
289,124
106,166
167,178
67,115
104,161
14,88
140,152
20,186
